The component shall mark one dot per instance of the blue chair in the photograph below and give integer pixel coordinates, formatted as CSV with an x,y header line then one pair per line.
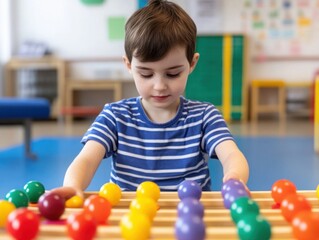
x,y
23,111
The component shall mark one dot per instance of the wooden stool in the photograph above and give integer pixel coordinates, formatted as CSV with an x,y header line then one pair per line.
x,y
257,107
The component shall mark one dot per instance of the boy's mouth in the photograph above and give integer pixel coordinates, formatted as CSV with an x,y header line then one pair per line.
x,y
160,98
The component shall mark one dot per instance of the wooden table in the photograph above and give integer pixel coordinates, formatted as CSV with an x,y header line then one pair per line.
x,y
217,219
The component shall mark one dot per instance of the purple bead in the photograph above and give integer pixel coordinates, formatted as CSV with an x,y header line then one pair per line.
x,y
190,228
232,184
190,206
51,206
189,189
232,195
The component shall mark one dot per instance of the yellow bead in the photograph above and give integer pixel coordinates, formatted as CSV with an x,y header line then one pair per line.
x,y
317,191
144,205
148,189
6,208
112,192
74,202
135,226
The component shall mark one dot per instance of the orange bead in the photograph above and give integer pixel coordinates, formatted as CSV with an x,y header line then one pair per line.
x,y
281,189
292,205
305,226
99,207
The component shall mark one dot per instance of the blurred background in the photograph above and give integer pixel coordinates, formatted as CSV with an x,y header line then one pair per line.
x,y
258,65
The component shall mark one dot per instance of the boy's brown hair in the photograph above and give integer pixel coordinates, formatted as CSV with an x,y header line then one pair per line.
x,y
155,29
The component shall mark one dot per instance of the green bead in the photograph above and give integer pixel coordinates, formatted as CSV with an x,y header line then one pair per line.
x,y
18,198
252,227
243,206
34,190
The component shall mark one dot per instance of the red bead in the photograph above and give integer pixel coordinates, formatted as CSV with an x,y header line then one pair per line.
x,y
23,224
99,207
281,189
51,206
81,226
292,205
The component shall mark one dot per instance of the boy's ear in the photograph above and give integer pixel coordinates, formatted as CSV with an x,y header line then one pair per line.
x,y
194,62
127,63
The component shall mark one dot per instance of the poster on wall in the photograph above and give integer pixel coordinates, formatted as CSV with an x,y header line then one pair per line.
x,y
207,14
287,28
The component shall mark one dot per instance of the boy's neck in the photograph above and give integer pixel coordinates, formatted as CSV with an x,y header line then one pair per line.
x,y
160,115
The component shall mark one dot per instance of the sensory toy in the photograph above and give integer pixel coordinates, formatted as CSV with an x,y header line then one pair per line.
x,y
190,206
99,207
252,226
74,202
232,195
6,208
244,211
144,205
232,184
148,189
305,226
112,192
243,206
81,226
217,219
282,188
34,190
190,228
293,204
23,224
189,188
51,206
135,226
18,197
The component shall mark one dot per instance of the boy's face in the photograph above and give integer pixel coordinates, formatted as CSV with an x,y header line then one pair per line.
x,y
161,83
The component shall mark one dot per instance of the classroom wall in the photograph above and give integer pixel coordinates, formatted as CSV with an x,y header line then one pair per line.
x,y
74,30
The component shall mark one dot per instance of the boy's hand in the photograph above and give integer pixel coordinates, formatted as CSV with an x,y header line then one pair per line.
x,y
67,192
232,175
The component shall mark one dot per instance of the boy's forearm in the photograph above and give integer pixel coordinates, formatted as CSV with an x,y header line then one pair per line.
x,y
236,166
78,175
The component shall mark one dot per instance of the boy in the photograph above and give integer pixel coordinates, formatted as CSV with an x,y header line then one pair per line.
x,y
159,136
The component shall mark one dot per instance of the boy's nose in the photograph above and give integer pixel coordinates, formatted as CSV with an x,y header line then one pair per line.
x,y
160,84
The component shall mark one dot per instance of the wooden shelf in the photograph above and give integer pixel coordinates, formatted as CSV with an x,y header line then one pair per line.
x,y
35,63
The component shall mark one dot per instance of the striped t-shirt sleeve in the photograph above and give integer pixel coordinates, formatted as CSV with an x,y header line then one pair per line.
x,y
215,130
103,130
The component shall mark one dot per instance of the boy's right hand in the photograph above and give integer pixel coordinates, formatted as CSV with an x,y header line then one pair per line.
x,y
67,192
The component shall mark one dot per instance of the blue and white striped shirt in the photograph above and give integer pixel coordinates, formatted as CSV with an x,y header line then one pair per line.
x,y
167,153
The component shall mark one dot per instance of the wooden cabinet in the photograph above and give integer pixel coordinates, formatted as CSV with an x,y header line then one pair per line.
x,y
73,84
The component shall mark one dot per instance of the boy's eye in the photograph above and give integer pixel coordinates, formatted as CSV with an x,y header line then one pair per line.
x,y
172,75
146,75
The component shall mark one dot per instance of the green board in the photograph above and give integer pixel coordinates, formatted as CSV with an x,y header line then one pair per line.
x,y
206,81
92,2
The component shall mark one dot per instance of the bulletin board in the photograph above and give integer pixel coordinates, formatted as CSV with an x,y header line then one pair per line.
x,y
286,28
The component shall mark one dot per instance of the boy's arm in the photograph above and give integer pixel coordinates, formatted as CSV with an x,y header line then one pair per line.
x,y
81,171
233,161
